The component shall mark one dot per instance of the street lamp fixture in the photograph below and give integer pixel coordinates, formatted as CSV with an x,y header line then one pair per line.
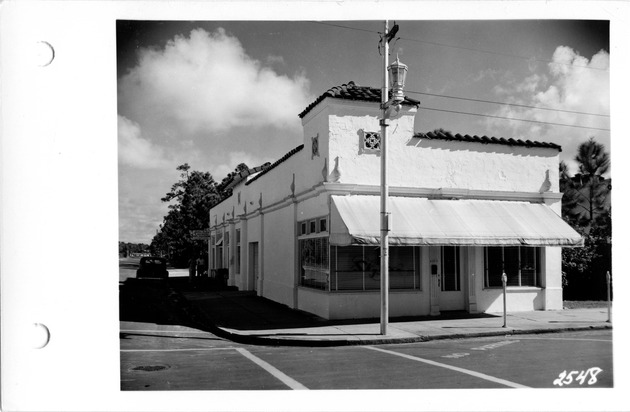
x,y
397,73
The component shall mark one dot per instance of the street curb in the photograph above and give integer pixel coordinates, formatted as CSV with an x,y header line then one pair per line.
x,y
205,323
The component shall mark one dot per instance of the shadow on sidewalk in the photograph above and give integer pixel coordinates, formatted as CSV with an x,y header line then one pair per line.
x,y
244,311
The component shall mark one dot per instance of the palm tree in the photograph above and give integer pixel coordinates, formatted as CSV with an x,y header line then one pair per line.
x,y
588,189
592,158
570,195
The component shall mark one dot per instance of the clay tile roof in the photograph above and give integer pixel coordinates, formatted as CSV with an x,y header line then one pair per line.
x,y
439,135
352,91
276,163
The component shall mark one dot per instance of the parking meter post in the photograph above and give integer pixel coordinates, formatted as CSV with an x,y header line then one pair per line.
x,y
608,284
504,281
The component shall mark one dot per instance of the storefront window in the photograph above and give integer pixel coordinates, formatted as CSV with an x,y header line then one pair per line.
x,y
314,263
519,263
359,268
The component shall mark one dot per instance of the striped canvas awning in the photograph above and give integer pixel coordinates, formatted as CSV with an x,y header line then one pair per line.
x,y
355,220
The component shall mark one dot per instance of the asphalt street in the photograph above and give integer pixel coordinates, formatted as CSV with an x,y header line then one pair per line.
x,y
159,357
160,349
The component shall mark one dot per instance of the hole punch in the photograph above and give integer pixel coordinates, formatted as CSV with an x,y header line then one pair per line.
x,y
40,336
44,53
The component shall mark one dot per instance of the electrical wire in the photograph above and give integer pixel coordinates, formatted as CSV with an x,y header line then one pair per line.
x,y
507,104
501,54
461,47
344,27
486,101
513,118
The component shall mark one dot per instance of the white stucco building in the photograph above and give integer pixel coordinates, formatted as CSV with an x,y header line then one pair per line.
x,y
304,231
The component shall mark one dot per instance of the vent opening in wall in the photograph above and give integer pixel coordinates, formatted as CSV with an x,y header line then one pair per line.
x,y
370,142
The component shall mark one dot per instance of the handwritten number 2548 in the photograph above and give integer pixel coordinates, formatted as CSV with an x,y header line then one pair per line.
x,y
567,378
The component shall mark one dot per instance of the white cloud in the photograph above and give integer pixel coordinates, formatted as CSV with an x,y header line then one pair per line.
x,y
571,83
134,150
207,83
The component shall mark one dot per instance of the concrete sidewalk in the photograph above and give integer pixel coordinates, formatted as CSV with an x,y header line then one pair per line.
x,y
246,318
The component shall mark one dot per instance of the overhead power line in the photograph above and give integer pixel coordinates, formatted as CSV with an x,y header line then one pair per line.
x,y
500,54
433,43
344,27
507,104
513,118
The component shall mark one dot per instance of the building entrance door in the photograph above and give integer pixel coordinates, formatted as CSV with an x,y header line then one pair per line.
x,y
447,291
253,266
452,289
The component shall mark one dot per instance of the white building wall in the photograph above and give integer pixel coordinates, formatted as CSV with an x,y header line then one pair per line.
x,y
347,127
361,305
429,163
552,278
254,224
279,239
312,207
447,164
314,168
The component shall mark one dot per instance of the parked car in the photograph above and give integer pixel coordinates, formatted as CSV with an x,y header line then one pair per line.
x,y
152,267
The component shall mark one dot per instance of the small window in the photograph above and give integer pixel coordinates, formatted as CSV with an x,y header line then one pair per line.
x,y
323,225
313,226
372,141
303,228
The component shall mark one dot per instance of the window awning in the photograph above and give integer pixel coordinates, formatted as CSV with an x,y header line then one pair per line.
x,y
355,220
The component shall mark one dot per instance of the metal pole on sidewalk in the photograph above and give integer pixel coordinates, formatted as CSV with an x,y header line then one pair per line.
x,y
384,195
608,284
504,281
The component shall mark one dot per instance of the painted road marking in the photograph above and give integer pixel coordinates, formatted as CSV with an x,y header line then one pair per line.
x,y
489,346
287,380
455,368
495,345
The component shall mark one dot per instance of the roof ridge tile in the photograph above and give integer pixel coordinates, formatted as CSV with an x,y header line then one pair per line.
x,y
352,91
485,139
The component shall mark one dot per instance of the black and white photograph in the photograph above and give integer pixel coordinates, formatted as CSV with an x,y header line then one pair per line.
x,y
364,204
313,206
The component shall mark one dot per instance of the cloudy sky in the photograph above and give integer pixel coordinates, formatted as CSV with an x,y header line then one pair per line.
x,y
215,94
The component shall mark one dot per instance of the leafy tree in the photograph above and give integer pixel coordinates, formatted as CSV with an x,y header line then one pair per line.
x,y
125,248
584,269
190,201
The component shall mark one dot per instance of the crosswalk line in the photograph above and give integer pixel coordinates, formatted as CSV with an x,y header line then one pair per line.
x,y
454,368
